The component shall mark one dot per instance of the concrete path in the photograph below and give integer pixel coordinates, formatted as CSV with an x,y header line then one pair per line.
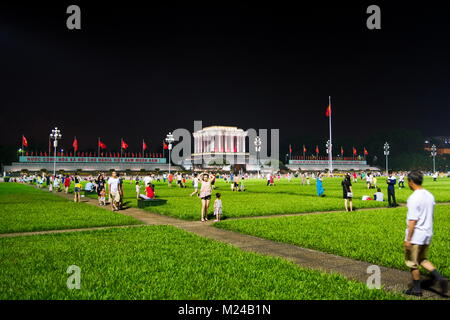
x,y
391,279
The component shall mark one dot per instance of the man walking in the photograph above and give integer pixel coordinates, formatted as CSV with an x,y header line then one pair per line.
x,y
114,191
418,234
391,181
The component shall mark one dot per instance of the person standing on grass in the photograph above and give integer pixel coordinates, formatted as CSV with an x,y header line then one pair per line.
x,y
218,207
319,186
195,184
67,184
348,194
138,190
101,185
113,188
205,194
77,189
418,234
391,181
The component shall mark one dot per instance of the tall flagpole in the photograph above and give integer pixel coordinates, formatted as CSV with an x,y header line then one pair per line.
x,y
121,142
98,147
330,152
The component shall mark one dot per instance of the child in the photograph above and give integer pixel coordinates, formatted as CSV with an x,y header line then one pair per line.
x,y
242,186
138,189
102,198
217,207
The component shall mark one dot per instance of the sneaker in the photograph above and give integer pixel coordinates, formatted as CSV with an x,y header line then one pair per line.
x,y
413,292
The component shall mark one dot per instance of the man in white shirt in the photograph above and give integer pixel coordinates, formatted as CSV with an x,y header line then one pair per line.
x,y
114,192
418,234
147,180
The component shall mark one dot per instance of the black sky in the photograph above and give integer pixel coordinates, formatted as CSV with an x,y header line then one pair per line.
x,y
137,71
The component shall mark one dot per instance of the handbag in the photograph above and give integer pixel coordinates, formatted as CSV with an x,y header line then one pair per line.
x,y
349,194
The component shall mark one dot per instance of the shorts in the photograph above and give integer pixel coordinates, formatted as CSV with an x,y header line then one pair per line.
x,y
416,255
206,197
76,190
115,196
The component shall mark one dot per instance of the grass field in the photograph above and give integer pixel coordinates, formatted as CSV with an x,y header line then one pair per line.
x,y
284,197
25,208
375,236
158,262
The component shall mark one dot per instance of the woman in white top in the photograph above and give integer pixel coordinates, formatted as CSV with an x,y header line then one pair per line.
x,y
205,194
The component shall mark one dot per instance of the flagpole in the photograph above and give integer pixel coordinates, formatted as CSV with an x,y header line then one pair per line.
x,y
75,151
98,147
330,152
121,141
22,145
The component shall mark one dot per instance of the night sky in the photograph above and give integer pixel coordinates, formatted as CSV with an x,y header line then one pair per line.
x,y
140,71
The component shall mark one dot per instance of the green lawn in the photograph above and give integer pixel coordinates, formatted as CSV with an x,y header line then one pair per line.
x,y
158,262
25,208
374,236
284,197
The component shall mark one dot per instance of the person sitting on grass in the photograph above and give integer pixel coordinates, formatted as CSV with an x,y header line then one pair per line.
x,y
150,191
242,186
218,207
378,196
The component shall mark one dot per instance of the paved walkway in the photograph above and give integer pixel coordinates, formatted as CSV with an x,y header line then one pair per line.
x,y
391,279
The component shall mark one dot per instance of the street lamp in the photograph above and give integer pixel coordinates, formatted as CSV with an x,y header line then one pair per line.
x,y
257,143
433,154
169,140
386,153
55,136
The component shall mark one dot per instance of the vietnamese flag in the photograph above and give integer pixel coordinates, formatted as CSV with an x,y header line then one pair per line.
x,y
328,112
354,151
144,145
123,144
317,149
342,151
365,152
101,144
290,149
24,141
75,145
165,146
304,149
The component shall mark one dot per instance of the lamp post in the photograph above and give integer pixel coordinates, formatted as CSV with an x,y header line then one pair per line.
x,y
169,140
433,154
257,143
386,153
55,136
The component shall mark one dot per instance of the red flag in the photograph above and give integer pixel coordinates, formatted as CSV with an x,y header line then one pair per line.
x,y
144,145
354,151
304,149
365,152
123,144
342,151
101,144
24,141
75,145
290,149
317,149
328,112
165,146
